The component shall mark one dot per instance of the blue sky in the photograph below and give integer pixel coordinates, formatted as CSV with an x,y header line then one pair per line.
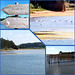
x,y
19,36
9,2
57,49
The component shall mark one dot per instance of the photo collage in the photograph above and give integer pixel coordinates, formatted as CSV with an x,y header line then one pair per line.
x,y
37,37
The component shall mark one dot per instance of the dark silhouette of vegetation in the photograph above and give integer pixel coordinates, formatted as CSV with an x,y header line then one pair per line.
x,y
51,5
6,44
61,53
2,19
32,45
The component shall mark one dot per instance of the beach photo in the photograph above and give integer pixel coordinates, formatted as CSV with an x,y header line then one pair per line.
x,y
60,60
14,14
21,53
53,21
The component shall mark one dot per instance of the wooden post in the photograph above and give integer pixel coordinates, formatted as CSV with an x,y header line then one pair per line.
x,y
16,15
16,4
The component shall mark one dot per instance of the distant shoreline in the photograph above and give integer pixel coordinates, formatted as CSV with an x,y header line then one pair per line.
x,y
2,50
51,13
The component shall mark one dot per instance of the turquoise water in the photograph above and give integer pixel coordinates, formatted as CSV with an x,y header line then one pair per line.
x,y
24,62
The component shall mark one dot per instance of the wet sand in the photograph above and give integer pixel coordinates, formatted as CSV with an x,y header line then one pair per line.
x,y
52,13
54,35
2,50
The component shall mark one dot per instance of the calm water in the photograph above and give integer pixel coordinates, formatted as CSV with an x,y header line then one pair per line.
x,y
24,62
60,23
64,67
59,42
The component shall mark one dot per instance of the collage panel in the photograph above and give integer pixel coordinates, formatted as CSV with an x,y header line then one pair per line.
x,y
60,60
53,21
14,14
21,53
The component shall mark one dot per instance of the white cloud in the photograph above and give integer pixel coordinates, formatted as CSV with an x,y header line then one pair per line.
x,y
52,48
10,33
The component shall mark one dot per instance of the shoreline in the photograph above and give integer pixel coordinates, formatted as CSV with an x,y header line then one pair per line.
x,y
54,35
20,49
51,13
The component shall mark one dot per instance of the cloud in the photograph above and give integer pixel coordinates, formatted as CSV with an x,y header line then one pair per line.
x,y
10,33
52,48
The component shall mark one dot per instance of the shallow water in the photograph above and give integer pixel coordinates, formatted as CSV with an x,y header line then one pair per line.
x,y
59,42
57,23
29,62
64,67
54,24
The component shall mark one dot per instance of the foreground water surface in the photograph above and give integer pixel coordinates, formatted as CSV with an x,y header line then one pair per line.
x,y
23,62
64,67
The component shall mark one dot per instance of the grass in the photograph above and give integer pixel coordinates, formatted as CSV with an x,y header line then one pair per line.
x,y
35,8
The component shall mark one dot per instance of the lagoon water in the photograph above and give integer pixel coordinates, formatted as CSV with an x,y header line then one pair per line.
x,y
57,23
23,62
54,24
59,42
64,67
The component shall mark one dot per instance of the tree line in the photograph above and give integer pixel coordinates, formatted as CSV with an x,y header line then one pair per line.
x,y
61,53
6,44
32,45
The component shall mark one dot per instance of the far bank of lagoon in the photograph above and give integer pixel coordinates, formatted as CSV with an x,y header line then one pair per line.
x,y
3,50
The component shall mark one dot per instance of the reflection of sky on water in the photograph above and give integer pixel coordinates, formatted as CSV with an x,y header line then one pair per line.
x,y
59,42
61,68
24,63
58,23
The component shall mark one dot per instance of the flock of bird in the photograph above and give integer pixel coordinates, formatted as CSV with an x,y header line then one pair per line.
x,y
43,21
52,20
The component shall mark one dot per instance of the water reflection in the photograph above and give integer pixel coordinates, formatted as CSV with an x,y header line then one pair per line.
x,y
59,64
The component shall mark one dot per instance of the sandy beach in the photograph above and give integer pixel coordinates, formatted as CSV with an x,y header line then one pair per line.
x,y
51,13
45,35
2,50
55,35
